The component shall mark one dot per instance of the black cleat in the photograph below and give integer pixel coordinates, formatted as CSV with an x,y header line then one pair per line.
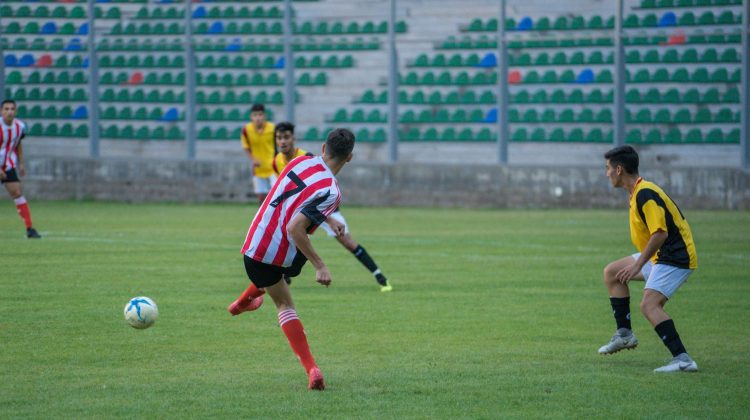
x,y
31,233
381,279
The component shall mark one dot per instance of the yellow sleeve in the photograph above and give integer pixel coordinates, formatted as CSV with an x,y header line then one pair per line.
x,y
244,138
655,216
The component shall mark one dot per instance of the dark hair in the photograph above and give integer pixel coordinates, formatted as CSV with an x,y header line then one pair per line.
x,y
258,108
7,101
625,156
283,126
339,143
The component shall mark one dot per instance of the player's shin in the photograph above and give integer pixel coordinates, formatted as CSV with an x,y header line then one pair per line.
x,y
295,333
23,210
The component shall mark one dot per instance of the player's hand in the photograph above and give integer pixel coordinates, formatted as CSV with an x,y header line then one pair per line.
x,y
256,163
626,274
323,276
2,175
337,227
21,170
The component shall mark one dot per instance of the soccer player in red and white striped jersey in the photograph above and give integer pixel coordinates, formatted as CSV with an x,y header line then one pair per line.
x,y
12,131
303,196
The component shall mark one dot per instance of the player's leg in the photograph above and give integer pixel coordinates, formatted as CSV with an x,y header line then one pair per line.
x,y
359,251
252,297
660,286
261,186
13,187
295,333
619,298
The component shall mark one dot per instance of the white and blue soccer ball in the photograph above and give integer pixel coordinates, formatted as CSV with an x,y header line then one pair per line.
x,y
141,312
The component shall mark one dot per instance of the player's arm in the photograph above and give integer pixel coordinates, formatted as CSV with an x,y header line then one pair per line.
x,y
297,229
248,149
654,216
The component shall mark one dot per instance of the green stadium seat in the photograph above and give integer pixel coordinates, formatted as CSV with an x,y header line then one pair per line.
x,y
725,115
708,18
694,136
513,115
550,76
709,56
654,136
673,136
671,95
663,116
733,136
643,116
682,116
548,116
520,135
720,75
735,77
530,116
703,116
558,97
51,130
711,96
538,135
714,136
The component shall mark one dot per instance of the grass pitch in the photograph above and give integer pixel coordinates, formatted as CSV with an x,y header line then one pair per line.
x,y
494,314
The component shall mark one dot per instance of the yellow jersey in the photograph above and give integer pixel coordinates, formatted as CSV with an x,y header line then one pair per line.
x,y
280,161
652,210
262,145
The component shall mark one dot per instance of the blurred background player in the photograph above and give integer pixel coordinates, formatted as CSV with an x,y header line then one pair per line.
x,y
278,243
285,144
666,257
258,142
12,131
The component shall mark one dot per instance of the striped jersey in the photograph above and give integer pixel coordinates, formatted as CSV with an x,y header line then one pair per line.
x,y
652,210
307,186
10,136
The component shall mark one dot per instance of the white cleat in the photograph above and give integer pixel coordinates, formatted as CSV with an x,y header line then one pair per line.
x,y
680,363
619,342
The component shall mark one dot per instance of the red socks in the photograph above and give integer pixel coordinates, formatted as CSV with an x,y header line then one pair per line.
x,y
295,333
251,292
23,210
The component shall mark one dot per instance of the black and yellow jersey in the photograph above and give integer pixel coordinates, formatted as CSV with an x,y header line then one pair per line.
x,y
652,210
280,161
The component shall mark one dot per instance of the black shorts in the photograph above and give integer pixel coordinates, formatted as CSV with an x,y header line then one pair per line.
x,y
264,275
11,176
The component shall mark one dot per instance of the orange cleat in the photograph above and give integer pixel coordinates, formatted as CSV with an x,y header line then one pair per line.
x,y
239,306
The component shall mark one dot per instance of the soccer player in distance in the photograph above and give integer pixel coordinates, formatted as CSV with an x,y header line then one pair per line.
x,y
285,144
302,198
12,131
666,257
257,140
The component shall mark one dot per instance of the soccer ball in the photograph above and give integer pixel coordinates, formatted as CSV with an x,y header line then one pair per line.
x,y
141,312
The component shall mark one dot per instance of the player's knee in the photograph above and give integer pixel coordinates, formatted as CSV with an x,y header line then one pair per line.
x,y
648,306
609,274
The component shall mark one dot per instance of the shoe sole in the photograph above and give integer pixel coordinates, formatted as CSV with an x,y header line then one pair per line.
x,y
619,350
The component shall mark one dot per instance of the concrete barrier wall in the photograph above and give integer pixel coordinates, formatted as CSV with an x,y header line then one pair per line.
x,y
403,184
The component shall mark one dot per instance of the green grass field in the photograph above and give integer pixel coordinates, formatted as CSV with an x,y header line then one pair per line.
x,y
494,314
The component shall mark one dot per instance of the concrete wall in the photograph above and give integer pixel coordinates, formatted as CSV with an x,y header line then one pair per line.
x,y
403,184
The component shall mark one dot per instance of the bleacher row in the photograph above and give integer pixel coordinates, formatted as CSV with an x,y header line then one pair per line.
x,y
693,61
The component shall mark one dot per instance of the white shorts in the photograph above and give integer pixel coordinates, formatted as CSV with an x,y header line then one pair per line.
x,y
665,279
263,185
337,216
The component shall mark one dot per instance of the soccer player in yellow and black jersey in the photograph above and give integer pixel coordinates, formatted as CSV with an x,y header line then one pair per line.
x,y
284,134
666,257
257,140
